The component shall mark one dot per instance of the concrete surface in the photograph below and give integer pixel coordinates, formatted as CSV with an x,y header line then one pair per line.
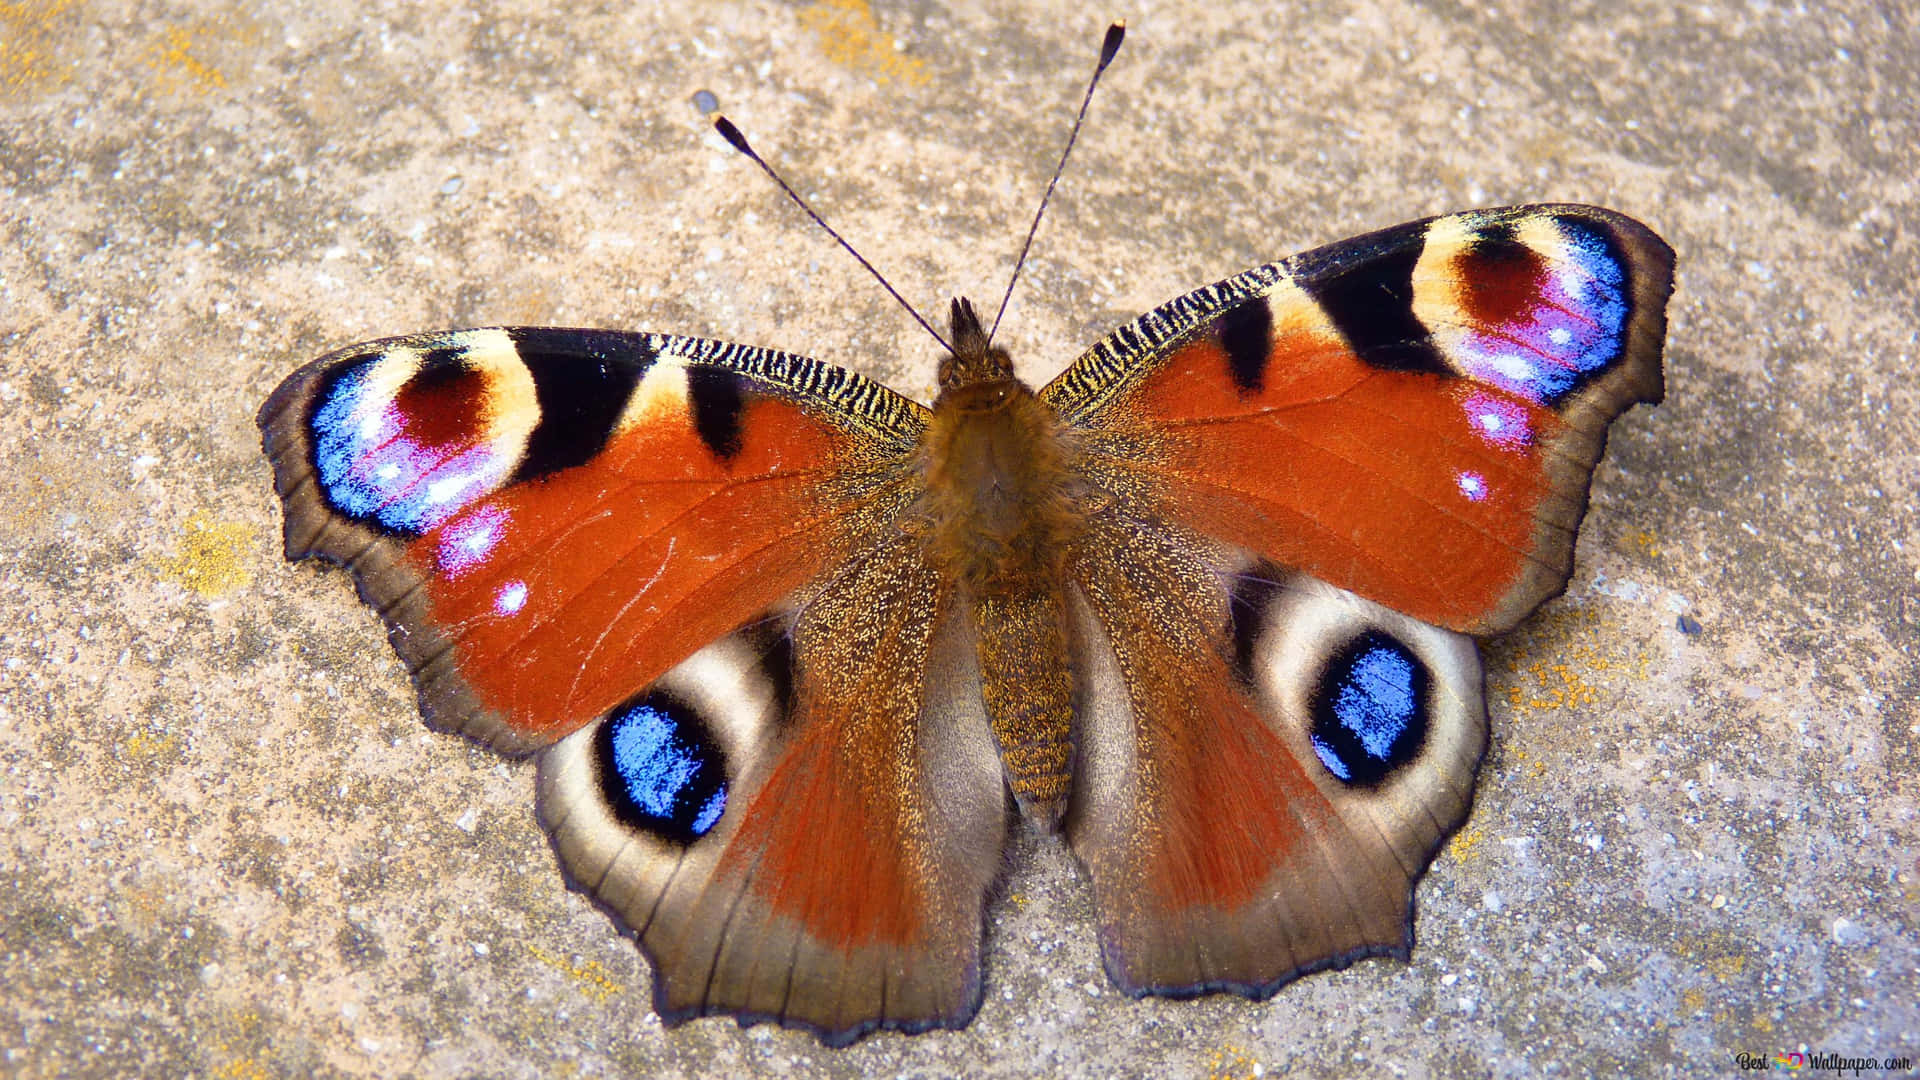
x,y
232,851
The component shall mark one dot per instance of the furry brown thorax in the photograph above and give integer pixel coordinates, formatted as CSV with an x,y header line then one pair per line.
x,y
996,469
1000,516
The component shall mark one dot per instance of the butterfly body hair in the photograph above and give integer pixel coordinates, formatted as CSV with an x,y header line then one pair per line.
x,y
1000,517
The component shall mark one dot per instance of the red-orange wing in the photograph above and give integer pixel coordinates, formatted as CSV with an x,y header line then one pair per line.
x,y
1314,479
1413,415
550,519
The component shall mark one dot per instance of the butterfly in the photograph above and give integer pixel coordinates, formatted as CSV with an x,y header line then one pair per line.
x,y
793,653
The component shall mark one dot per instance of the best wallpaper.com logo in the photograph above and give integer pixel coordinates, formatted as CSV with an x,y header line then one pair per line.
x,y
1802,1061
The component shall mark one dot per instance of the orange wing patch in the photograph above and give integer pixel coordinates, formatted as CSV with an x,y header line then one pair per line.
x,y
1227,790
1411,489
567,595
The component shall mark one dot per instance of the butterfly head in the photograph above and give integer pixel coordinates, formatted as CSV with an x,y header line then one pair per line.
x,y
976,371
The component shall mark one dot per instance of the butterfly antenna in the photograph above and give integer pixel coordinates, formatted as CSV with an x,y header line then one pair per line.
x,y
739,142
1108,48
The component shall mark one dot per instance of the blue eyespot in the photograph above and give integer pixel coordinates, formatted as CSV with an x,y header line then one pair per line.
x,y
660,769
1370,709
408,471
1577,329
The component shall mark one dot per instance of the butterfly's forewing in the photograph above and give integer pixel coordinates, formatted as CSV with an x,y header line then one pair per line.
x,y
679,558
550,519
1319,473
1413,415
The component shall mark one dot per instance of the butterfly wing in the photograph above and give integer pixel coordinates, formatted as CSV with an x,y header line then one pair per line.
x,y
675,564
1319,476
550,519
800,823
1413,415
1267,762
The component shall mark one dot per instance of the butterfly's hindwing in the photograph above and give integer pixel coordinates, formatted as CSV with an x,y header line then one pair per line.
x,y
800,822
1267,767
1387,712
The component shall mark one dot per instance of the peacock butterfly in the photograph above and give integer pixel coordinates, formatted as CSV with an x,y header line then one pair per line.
x,y
786,644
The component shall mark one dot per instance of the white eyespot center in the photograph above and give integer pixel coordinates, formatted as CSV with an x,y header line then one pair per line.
x,y
445,491
1514,367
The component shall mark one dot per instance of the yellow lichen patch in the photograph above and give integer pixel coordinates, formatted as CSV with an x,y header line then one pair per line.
x,y
232,1032
1642,541
146,747
242,1069
1465,844
1558,686
1726,966
1693,999
1589,655
1534,768
1230,1063
1718,955
30,32
851,37
211,556
178,55
590,977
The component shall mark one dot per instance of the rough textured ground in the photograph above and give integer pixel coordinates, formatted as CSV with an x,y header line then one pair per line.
x,y
232,850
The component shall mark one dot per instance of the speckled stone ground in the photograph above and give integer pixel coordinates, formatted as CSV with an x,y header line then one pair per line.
x,y
232,850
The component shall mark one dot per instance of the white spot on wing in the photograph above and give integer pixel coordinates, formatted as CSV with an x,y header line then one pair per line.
x,y
1518,369
444,491
511,598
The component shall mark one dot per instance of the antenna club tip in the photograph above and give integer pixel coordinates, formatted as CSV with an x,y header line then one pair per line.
x,y
1115,35
732,134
